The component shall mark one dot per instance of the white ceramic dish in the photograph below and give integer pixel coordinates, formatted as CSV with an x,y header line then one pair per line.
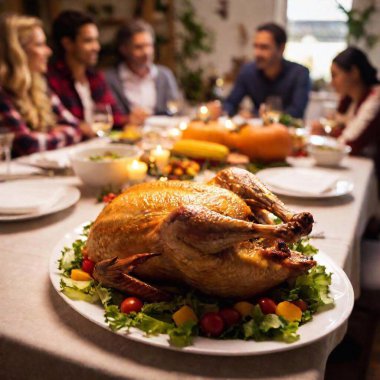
x,y
339,188
70,196
104,172
323,323
327,151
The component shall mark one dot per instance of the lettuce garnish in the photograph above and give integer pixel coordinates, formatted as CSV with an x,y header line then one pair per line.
x,y
156,318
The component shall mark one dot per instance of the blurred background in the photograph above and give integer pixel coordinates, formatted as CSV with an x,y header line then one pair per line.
x,y
206,42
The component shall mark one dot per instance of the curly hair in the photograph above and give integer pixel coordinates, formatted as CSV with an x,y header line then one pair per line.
x,y
28,89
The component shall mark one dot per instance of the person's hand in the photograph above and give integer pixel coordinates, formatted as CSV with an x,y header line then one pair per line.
x,y
317,128
138,115
86,130
215,109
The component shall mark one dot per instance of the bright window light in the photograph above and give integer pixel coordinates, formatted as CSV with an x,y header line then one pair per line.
x,y
317,33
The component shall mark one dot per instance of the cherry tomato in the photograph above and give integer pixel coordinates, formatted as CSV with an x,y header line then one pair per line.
x,y
230,316
109,197
212,324
88,265
131,304
267,305
301,304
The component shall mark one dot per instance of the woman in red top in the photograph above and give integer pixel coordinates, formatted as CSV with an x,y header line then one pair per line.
x,y
358,113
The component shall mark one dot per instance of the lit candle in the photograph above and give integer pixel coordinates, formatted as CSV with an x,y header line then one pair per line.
x,y
160,157
174,133
203,113
182,125
137,171
229,124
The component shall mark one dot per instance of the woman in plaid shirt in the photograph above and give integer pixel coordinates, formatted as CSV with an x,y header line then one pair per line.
x,y
27,107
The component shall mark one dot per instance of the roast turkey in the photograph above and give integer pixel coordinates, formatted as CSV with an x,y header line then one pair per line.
x,y
219,238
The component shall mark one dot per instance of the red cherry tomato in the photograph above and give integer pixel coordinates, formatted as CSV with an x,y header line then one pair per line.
x,y
301,304
230,316
212,324
109,197
267,305
131,304
88,265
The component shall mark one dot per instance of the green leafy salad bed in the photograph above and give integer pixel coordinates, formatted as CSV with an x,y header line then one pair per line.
x,y
277,316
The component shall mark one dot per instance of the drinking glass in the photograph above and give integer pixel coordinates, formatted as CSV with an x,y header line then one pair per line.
x,y
172,107
273,109
328,119
6,140
102,120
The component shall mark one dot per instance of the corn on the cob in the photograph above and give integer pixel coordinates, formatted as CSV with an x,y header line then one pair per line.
x,y
200,149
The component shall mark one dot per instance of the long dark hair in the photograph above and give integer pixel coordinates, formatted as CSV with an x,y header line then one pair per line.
x,y
353,56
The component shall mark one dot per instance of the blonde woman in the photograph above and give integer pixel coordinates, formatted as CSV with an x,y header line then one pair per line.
x,y
27,108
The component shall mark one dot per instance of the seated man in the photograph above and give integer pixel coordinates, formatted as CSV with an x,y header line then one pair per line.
x,y
271,75
72,75
140,87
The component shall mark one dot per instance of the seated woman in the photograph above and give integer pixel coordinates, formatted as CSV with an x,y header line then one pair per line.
x,y
27,108
358,113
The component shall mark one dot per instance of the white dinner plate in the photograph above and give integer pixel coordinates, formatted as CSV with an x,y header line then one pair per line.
x,y
46,161
339,188
70,196
322,324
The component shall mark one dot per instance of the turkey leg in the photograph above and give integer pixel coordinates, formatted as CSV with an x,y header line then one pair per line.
x,y
210,232
249,188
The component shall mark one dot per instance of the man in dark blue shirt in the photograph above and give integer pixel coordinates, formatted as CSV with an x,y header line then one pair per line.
x,y
271,75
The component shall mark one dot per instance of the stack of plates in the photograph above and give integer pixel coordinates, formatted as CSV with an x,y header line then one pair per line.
x,y
20,200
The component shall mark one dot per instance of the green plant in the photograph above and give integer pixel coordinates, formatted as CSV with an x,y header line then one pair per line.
x,y
357,21
194,40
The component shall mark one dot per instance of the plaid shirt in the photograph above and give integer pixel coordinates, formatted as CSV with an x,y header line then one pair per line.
x,y
27,141
62,83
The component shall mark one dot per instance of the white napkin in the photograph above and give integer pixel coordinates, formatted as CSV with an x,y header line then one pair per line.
x,y
17,198
303,181
17,169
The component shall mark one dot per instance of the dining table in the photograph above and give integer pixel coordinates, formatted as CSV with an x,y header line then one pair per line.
x,y
42,337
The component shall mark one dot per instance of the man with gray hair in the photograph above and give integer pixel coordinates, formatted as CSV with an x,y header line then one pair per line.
x,y
140,87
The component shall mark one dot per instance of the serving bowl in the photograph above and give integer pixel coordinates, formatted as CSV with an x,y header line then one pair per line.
x,y
327,151
103,166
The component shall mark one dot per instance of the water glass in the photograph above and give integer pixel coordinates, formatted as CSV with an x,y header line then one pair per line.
x,y
6,141
102,120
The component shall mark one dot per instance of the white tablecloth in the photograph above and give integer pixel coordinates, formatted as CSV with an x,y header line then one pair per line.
x,y
43,338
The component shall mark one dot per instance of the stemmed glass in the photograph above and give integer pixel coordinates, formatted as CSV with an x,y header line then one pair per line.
x,y
273,109
172,107
102,119
6,141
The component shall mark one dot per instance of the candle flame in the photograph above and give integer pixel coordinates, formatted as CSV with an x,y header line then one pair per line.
x,y
135,164
203,110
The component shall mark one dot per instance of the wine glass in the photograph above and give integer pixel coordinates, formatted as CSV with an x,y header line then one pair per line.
x,y
272,109
172,107
102,119
6,141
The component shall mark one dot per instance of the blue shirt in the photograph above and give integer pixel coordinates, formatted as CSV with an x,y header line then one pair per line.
x,y
292,85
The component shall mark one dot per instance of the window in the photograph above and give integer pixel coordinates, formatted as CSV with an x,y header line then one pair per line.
x,y
317,33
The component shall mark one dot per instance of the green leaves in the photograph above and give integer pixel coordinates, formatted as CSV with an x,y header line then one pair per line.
x,y
71,257
79,290
357,21
271,326
303,246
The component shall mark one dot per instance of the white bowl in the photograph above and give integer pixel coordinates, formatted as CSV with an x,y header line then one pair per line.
x,y
327,151
104,172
